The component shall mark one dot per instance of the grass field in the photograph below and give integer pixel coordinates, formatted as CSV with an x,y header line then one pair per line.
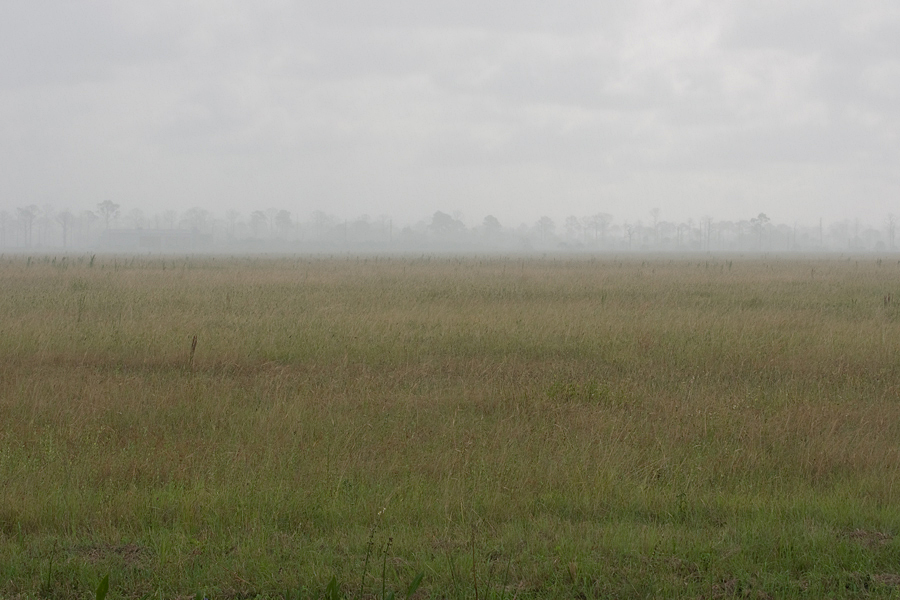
x,y
706,427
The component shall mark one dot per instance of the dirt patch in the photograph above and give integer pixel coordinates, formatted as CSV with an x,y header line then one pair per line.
x,y
888,579
871,539
128,554
735,588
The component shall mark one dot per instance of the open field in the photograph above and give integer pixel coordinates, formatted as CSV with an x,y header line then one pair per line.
x,y
708,427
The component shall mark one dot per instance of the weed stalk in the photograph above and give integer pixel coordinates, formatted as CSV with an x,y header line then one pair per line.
x,y
193,350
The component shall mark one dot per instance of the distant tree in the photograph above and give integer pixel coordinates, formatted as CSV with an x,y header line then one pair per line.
x,y
666,231
258,222
232,216
170,219
891,229
5,220
283,222
784,237
324,223
759,223
45,220
871,239
137,218
387,227
491,223
87,219
695,234
682,230
545,227
654,223
573,227
841,233
856,243
108,210
66,220
725,233
444,224
196,219
27,215
271,212
599,224
629,230
360,228
707,224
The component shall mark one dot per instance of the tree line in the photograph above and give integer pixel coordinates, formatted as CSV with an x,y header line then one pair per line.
x,y
109,226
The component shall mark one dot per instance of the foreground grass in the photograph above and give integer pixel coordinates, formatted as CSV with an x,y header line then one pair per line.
x,y
698,428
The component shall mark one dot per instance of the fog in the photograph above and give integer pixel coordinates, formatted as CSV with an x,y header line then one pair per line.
x,y
277,231
351,125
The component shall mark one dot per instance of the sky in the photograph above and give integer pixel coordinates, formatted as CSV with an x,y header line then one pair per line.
x,y
400,108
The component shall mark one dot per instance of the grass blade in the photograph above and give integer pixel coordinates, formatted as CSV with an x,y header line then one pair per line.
x,y
332,592
414,585
103,588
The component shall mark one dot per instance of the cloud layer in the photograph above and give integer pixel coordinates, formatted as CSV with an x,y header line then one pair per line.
x,y
513,108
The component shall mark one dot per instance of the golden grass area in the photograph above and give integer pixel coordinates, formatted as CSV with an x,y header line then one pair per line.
x,y
698,427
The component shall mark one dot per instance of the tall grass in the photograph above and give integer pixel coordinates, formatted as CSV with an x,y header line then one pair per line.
x,y
692,427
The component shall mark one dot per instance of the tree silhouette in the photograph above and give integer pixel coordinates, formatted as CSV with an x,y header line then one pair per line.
x,y
27,215
443,223
109,210
66,220
258,222
283,222
545,226
891,229
759,225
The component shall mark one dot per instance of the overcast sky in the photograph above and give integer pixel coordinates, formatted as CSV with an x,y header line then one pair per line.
x,y
515,108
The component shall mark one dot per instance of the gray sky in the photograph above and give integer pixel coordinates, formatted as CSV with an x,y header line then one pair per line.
x,y
404,107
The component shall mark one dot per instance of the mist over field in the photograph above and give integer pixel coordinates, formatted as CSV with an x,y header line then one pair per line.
x,y
111,229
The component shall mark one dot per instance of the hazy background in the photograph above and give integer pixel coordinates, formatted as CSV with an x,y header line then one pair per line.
x,y
399,108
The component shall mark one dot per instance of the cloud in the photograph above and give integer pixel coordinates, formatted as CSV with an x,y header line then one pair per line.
x,y
405,103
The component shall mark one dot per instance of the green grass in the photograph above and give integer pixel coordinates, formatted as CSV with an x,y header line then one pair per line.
x,y
692,427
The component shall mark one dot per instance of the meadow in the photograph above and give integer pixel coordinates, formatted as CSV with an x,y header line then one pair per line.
x,y
558,427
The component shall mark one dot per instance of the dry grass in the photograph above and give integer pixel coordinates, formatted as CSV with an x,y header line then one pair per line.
x,y
692,427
